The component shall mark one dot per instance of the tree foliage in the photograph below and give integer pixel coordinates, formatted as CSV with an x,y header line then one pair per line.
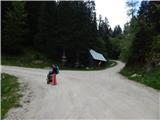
x,y
144,51
14,27
132,4
53,27
117,31
110,38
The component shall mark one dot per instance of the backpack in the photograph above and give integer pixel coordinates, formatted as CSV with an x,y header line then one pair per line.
x,y
57,70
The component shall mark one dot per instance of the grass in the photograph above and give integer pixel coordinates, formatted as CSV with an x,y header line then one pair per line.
x,y
10,94
109,64
106,65
34,59
29,59
24,61
151,78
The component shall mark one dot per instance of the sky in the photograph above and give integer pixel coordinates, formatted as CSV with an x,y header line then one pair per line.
x,y
114,10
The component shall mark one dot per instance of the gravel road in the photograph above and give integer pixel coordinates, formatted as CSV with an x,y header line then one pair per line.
x,y
101,94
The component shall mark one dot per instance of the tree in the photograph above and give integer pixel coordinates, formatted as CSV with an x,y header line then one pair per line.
x,y
14,28
117,31
132,4
45,39
59,27
126,41
144,51
33,14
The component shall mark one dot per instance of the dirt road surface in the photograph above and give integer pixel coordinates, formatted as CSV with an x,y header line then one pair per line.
x,y
101,94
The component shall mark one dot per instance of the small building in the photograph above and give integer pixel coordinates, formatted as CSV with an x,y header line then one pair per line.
x,y
96,58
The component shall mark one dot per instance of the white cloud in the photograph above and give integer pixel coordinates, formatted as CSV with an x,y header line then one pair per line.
x,y
114,10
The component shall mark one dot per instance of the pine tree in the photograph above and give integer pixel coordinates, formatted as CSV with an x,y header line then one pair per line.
x,y
132,4
45,39
14,28
144,50
117,31
33,10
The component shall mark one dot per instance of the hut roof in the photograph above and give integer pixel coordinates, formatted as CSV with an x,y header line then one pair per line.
x,y
97,56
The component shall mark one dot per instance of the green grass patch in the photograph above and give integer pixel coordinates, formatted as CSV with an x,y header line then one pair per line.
x,y
106,65
10,93
35,59
151,78
30,58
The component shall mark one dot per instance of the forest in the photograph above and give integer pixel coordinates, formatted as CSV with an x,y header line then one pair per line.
x,y
56,28
38,34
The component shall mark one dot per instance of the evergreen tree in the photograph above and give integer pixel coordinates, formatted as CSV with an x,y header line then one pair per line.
x,y
14,28
144,51
117,31
45,39
132,4
56,28
33,10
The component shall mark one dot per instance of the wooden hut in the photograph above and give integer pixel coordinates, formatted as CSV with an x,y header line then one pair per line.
x,y
96,58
